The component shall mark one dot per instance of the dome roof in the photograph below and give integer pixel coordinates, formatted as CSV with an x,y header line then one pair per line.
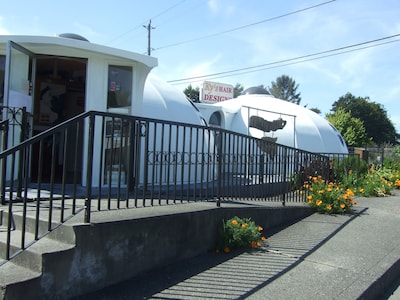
x,y
255,90
163,101
296,126
73,36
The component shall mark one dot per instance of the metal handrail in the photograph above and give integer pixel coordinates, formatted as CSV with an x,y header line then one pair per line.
x,y
105,161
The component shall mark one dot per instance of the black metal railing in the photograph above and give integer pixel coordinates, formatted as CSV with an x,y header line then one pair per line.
x,y
101,161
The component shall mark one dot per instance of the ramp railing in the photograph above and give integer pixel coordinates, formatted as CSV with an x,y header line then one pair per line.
x,y
101,161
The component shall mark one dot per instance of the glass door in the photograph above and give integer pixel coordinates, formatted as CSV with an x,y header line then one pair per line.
x,y
18,88
18,102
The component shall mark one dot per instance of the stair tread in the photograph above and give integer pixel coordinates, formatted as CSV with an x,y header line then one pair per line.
x,y
12,273
41,246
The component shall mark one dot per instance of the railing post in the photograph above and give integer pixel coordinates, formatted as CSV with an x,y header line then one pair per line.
x,y
4,128
89,169
21,158
220,146
284,176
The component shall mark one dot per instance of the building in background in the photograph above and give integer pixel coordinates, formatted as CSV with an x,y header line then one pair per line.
x,y
258,114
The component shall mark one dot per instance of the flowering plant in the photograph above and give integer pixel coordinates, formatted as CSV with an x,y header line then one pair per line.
x,y
328,197
237,233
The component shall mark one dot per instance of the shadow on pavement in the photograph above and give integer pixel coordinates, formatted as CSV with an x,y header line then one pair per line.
x,y
236,275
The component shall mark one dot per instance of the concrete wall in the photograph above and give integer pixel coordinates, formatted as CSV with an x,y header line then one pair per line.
x,y
111,252
107,252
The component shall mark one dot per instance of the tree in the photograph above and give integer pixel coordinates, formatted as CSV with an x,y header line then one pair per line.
x,y
316,110
285,88
237,90
373,115
352,129
192,93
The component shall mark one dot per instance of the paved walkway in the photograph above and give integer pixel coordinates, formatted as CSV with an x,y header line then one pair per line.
x,y
320,257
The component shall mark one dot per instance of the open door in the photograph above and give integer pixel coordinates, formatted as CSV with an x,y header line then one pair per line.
x,y
18,87
18,78
52,89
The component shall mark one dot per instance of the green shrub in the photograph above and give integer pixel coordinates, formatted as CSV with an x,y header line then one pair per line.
x,y
328,197
351,165
239,233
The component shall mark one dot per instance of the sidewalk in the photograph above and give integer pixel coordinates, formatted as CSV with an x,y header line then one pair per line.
x,y
320,257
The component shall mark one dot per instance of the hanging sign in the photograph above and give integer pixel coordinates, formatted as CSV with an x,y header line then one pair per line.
x,y
213,92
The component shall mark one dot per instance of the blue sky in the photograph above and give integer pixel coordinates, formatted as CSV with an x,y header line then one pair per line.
x,y
202,37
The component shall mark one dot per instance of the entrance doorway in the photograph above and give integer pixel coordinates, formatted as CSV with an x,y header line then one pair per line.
x,y
60,89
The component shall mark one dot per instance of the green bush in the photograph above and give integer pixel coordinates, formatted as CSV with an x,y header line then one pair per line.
x,y
328,197
239,233
349,166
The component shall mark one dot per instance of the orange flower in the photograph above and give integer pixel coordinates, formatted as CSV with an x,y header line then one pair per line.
x,y
263,238
342,205
234,222
350,172
260,229
349,192
329,207
227,249
244,225
319,202
253,244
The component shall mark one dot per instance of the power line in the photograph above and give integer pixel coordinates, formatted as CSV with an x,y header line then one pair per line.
x,y
290,61
138,26
168,9
244,26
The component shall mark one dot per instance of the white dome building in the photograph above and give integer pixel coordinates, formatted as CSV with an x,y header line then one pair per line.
x,y
259,114
165,102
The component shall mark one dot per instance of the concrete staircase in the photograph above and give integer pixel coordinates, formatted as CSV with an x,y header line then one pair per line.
x,y
31,266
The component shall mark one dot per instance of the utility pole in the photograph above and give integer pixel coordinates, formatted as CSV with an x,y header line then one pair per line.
x,y
149,28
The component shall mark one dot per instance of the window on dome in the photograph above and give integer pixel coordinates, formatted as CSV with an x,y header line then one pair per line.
x,y
215,120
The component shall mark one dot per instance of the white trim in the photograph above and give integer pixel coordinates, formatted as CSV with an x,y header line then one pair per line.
x,y
72,48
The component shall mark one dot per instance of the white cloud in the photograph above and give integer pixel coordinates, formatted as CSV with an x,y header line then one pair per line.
x,y
221,7
213,5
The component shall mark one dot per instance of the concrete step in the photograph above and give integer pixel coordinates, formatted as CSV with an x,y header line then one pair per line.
x,y
11,273
39,211
35,268
35,255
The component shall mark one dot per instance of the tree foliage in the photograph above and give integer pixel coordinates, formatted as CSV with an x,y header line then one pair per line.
x,y
237,90
316,110
285,88
192,93
377,124
352,129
